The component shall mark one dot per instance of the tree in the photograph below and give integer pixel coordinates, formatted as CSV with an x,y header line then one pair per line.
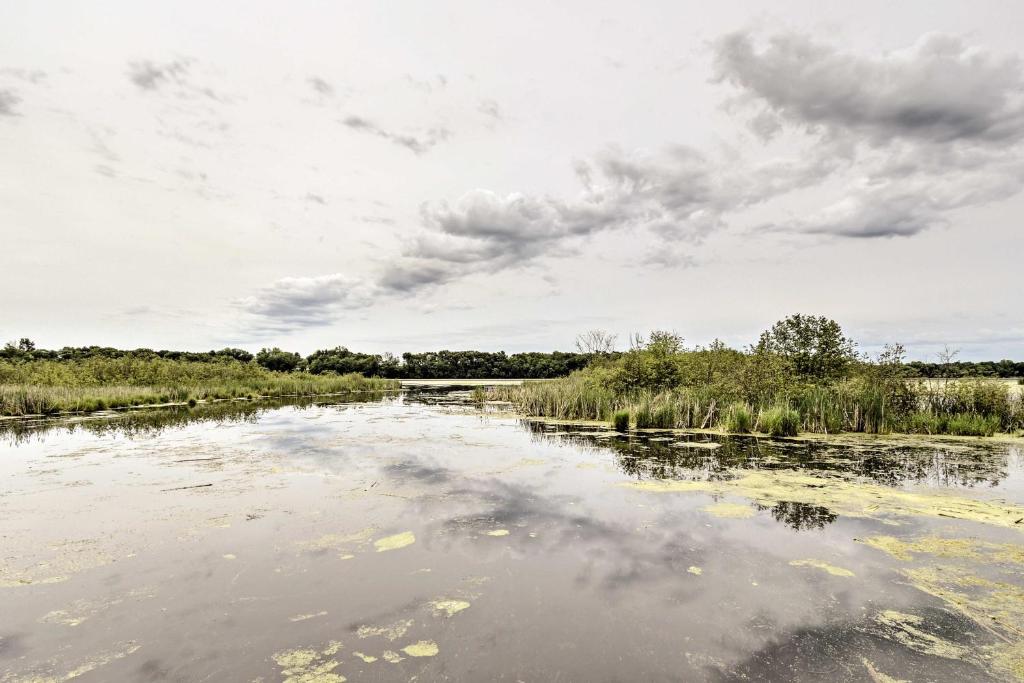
x,y
814,345
26,344
596,342
277,360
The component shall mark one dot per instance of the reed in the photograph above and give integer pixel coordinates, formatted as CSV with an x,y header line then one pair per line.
x,y
779,420
737,419
44,399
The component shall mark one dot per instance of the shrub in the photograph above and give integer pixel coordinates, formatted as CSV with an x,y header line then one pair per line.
x,y
780,420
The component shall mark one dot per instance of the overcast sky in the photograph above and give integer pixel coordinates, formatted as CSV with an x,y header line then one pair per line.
x,y
415,176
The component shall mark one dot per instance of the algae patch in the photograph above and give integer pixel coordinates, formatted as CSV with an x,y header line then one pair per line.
x,y
730,510
423,648
391,631
449,607
696,571
824,566
394,542
907,629
877,676
369,659
306,617
844,495
497,532
307,665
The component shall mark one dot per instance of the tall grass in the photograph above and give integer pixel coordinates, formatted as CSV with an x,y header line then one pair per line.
x,y
737,419
858,404
779,420
46,387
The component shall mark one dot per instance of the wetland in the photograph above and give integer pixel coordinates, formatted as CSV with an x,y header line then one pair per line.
x,y
421,535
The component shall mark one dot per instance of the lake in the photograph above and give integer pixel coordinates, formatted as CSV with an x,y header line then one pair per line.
x,y
420,537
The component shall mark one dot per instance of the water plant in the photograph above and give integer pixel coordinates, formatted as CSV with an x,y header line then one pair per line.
x,y
620,420
737,419
779,420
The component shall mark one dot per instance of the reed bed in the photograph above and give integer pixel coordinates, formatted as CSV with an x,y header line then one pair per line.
x,y
45,387
963,408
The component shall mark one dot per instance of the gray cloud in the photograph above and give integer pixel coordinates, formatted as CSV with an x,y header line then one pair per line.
x,y
321,86
418,145
299,302
928,130
149,75
938,90
924,131
492,110
8,102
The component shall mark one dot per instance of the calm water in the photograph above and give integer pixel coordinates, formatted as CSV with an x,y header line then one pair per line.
x,y
416,537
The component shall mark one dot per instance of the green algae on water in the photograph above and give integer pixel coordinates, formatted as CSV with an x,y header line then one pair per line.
x,y
844,495
824,566
730,510
394,542
423,648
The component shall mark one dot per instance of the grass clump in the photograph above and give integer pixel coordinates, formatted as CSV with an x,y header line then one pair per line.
x,y
738,419
780,420
972,424
620,420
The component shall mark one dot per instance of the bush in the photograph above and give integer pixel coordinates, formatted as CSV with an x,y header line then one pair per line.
x,y
738,419
780,420
620,421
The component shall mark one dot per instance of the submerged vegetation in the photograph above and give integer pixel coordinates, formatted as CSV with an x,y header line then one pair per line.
x,y
47,386
803,375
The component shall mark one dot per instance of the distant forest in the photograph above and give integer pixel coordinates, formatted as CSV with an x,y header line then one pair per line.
x,y
435,364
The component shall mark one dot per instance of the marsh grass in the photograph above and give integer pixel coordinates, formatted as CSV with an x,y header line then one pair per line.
x,y
44,387
620,420
779,420
737,419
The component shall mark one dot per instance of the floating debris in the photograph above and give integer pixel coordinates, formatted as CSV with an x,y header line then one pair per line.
x,y
394,542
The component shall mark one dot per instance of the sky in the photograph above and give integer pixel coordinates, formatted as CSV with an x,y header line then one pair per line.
x,y
410,176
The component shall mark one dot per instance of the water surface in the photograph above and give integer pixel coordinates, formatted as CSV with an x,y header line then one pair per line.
x,y
420,537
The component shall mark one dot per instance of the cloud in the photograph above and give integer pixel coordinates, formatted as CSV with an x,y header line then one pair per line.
x,y
300,302
911,136
418,145
321,86
938,90
8,102
929,129
149,75
492,110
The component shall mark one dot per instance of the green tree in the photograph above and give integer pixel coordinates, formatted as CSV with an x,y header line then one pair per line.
x,y
814,345
277,360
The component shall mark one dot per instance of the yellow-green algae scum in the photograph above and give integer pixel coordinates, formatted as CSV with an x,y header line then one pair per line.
x,y
978,579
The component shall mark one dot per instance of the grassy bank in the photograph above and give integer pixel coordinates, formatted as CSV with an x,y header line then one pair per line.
x,y
759,391
46,387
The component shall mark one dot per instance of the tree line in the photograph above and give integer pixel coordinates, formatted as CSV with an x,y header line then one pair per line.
x,y
790,338
339,360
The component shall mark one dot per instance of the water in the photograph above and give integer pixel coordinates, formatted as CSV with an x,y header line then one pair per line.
x,y
418,537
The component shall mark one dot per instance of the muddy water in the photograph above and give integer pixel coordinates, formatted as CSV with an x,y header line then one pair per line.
x,y
418,538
